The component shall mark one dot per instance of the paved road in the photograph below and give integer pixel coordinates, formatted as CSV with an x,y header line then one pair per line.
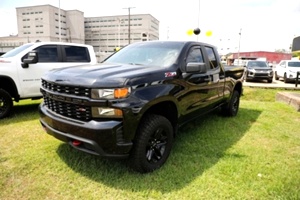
x,y
274,84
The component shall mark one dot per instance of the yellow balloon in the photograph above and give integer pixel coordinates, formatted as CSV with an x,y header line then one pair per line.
x,y
190,32
208,33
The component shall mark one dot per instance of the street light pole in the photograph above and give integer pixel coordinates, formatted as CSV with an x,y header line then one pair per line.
x,y
129,23
240,33
120,21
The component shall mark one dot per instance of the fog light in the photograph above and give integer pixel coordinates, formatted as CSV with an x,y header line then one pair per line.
x,y
107,112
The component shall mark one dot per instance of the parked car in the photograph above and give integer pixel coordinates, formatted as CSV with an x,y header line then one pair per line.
x,y
287,69
21,68
258,70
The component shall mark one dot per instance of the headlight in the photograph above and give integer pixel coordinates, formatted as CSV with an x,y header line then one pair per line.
x,y
106,112
117,93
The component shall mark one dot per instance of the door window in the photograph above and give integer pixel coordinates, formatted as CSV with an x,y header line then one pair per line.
x,y
213,62
195,55
76,54
47,53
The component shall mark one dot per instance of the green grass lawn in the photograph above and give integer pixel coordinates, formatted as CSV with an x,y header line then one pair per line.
x,y
255,155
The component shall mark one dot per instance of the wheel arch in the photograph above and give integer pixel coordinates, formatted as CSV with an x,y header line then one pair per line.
x,y
7,84
238,87
168,109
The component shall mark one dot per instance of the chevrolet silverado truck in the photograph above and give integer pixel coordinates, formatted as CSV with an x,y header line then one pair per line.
x,y
21,68
132,104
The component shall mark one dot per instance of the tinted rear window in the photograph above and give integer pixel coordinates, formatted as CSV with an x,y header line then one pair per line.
x,y
77,54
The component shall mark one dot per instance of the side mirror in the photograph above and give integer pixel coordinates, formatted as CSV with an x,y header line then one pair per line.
x,y
195,67
31,59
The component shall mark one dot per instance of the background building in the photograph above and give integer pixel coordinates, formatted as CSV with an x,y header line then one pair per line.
x,y
271,57
105,34
49,23
110,32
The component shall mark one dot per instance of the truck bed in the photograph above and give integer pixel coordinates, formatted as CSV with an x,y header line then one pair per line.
x,y
233,71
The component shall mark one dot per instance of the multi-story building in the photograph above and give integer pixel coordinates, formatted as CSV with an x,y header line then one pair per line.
x,y
49,23
110,32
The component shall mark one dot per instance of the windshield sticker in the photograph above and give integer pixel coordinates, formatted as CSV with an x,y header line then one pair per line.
x,y
170,74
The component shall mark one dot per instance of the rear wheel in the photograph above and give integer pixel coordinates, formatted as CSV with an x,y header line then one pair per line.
x,y
6,103
276,76
232,107
152,145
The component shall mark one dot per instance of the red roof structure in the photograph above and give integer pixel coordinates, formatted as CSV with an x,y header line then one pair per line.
x,y
271,57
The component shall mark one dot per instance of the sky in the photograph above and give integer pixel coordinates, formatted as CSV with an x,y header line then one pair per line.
x,y
231,25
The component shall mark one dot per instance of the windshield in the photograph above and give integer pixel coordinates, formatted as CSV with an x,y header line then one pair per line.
x,y
15,51
257,64
163,54
294,64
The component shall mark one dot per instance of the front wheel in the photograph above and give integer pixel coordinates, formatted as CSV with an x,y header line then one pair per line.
x,y
232,107
6,103
270,80
152,144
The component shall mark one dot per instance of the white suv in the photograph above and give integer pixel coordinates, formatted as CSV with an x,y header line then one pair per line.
x,y
287,69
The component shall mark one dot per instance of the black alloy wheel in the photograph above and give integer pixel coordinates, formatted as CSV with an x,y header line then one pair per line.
x,y
152,145
232,107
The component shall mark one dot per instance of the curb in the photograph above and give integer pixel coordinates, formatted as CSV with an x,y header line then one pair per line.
x,y
290,98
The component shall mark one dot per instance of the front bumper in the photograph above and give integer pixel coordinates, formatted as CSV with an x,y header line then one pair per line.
x,y
259,75
101,138
292,75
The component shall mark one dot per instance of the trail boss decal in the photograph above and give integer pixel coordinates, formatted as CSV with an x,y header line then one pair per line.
x,y
170,74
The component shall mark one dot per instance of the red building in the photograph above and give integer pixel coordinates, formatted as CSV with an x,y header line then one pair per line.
x,y
271,57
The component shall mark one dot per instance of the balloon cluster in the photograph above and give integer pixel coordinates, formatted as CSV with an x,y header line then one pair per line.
x,y
197,31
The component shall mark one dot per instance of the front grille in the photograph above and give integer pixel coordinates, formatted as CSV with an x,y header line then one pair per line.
x,y
78,91
73,111
261,75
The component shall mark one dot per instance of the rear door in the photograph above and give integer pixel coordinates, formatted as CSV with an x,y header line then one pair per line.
x,y
202,91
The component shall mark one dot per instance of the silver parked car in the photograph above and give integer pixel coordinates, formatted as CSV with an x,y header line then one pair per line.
x,y
258,70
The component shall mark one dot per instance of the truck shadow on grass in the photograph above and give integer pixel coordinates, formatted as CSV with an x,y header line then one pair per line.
x,y
198,146
23,112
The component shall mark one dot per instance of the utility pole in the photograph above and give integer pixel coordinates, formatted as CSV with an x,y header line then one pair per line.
x,y
129,23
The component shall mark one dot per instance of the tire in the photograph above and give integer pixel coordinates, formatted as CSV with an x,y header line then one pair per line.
x,y
232,107
276,76
6,103
270,80
285,79
152,145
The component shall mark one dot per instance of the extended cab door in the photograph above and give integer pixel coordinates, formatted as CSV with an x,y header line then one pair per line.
x,y
49,57
202,91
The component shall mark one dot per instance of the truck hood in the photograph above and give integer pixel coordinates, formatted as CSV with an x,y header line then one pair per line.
x,y
108,75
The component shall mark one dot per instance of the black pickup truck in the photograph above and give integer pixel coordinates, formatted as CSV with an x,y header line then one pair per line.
x,y
132,104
